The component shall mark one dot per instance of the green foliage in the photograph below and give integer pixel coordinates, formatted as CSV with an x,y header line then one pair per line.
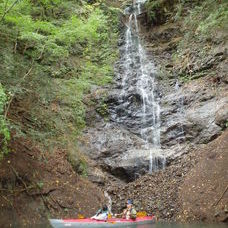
x,y
203,28
40,184
179,9
45,38
103,109
152,8
159,10
72,46
3,99
99,75
78,163
205,19
216,19
4,131
82,169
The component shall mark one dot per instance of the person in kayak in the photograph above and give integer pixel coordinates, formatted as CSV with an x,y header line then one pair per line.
x,y
129,212
101,214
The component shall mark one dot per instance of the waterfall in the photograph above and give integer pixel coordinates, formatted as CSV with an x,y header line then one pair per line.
x,y
139,4
138,107
109,204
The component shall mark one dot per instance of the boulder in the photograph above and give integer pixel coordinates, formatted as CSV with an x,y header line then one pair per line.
x,y
121,152
136,162
221,117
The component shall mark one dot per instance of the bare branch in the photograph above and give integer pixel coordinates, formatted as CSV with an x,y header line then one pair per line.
x,y
216,203
8,201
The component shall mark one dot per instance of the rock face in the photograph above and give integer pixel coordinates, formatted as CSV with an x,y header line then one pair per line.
x,y
191,113
196,110
119,151
107,143
193,99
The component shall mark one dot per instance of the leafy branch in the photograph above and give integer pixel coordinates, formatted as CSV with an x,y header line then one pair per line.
x,y
7,10
17,86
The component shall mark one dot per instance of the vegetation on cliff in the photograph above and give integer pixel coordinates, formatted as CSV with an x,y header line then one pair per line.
x,y
200,28
204,31
4,131
51,52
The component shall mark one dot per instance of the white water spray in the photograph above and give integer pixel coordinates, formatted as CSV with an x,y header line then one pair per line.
x,y
109,204
138,82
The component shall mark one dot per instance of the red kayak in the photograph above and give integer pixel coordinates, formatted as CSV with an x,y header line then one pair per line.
x,y
113,222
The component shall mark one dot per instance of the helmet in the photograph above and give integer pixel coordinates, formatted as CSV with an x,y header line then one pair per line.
x,y
129,201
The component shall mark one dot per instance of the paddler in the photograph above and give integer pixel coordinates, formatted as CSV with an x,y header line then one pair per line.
x,y
129,212
101,214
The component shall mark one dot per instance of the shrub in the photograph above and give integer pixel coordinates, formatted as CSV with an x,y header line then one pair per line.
x,y
72,46
4,131
159,10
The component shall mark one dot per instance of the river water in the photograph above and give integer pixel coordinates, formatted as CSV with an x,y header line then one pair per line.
x,y
174,225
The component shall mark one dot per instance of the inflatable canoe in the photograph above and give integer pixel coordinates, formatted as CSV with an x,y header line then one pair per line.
x,y
114,222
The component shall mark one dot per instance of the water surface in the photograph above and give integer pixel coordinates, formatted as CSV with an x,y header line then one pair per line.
x,y
174,225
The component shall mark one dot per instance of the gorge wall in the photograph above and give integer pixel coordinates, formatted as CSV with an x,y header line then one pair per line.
x,y
156,126
190,70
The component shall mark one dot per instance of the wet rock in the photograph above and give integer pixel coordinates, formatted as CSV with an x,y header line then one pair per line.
x,y
115,149
192,113
108,142
96,175
135,163
220,50
222,115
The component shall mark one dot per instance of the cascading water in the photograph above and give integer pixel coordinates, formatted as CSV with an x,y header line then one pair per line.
x,y
109,203
138,103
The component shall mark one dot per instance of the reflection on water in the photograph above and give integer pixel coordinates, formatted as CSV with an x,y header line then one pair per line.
x,y
174,225
16,225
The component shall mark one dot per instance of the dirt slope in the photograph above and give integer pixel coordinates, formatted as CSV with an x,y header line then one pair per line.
x,y
205,190
35,185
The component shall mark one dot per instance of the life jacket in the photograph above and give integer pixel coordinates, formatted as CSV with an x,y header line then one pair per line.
x,y
131,214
